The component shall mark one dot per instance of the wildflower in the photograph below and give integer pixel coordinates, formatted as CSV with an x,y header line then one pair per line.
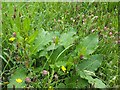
x,y
27,80
71,18
19,80
105,28
12,39
93,30
110,33
44,72
81,57
63,68
14,34
56,77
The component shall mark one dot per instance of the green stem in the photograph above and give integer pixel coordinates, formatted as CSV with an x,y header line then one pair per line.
x,y
48,59
63,51
51,77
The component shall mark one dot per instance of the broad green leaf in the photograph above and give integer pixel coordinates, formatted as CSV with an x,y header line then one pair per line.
x,y
18,33
97,83
61,85
91,64
86,76
51,47
60,63
26,24
63,52
67,38
42,53
82,83
20,73
89,73
69,63
88,45
32,37
71,82
41,40
56,52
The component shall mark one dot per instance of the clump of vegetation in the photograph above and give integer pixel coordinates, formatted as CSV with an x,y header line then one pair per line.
x,y
59,45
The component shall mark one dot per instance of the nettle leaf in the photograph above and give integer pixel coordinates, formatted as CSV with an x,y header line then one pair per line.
x,y
71,82
51,47
76,82
67,38
91,64
32,37
69,63
26,24
60,63
41,40
18,33
20,73
61,85
88,45
97,83
87,68
82,83
56,53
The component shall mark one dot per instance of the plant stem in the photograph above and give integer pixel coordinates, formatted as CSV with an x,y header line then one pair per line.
x,y
63,51
47,59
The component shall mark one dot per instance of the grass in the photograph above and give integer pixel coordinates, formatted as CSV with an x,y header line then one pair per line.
x,y
84,18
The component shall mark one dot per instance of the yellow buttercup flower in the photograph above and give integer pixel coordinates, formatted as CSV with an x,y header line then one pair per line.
x,y
63,68
19,80
12,39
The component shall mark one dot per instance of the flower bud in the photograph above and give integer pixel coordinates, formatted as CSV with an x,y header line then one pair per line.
x,y
56,77
71,18
44,72
110,33
105,28
59,20
14,34
27,80
81,57
93,30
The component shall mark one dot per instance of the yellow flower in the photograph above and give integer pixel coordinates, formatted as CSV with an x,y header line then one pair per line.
x,y
12,39
19,80
63,68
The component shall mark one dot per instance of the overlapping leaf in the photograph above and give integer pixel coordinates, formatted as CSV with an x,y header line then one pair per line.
x,y
97,83
88,45
91,64
67,38
20,73
41,40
